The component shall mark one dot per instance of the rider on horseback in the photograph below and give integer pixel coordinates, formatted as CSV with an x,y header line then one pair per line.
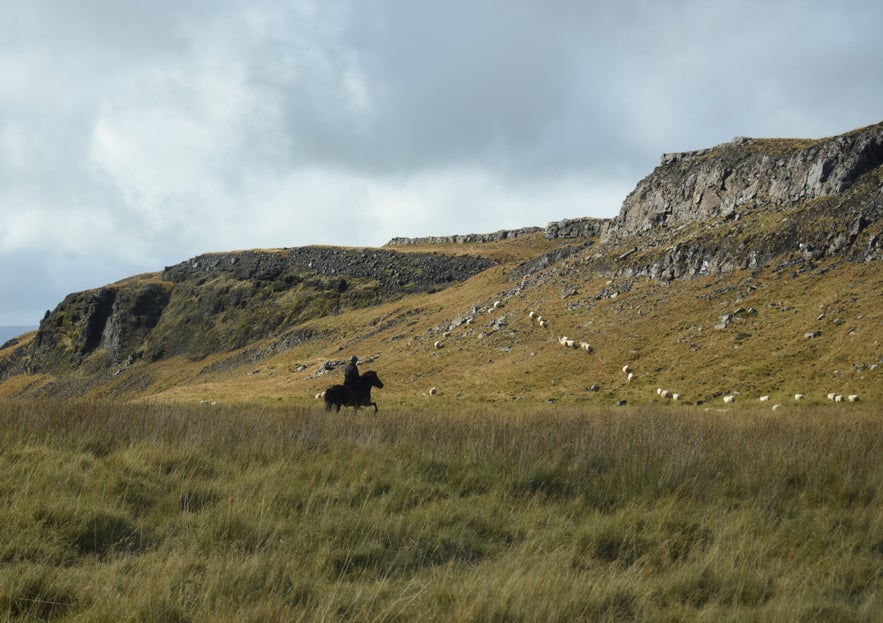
x,y
351,377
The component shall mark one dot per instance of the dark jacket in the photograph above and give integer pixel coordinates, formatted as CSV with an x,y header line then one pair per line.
x,y
351,375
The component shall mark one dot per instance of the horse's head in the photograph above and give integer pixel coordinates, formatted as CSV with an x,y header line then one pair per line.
x,y
371,379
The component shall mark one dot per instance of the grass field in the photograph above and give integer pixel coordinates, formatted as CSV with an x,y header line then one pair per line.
x,y
183,513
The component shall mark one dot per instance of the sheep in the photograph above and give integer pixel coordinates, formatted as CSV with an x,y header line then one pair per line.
x,y
776,407
542,322
563,340
631,377
498,304
764,398
532,315
799,396
838,398
729,399
433,391
675,396
852,398
626,369
665,393
659,390
831,396
586,346
438,344
570,344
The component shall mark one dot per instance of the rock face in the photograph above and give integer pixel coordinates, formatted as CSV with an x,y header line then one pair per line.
x,y
745,175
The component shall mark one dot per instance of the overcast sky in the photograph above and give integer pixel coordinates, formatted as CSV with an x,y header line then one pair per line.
x,y
135,135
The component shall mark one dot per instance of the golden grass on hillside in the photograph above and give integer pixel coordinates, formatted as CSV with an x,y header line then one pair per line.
x,y
169,512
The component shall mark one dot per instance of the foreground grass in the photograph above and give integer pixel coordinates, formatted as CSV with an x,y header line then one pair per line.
x,y
169,513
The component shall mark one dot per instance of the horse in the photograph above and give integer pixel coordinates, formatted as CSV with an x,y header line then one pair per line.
x,y
342,396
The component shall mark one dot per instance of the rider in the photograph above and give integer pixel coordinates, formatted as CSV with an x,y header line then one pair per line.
x,y
351,376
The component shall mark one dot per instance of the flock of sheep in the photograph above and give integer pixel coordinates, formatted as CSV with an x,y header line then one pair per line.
x,y
571,343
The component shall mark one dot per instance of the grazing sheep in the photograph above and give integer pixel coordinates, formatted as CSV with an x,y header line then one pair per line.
x,y
831,396
799,396
563,340
838,398
438,344
571,344
586,346
542,322
675,396
433,391
729,399
626,369
764,398
852,398
532,315
631,377
665,393
659,390
776,407
498,304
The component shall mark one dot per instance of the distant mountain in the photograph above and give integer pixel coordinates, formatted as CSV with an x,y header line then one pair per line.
x,y
9,332
751,268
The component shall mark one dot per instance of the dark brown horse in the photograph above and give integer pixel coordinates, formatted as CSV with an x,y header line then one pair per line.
x,y
341,395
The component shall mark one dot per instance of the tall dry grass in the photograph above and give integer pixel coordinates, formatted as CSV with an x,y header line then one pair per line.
x,y
179,513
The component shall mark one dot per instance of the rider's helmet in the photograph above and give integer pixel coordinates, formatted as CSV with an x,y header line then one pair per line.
x,y
353,359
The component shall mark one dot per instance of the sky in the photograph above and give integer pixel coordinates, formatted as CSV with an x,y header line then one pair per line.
x,y
135,135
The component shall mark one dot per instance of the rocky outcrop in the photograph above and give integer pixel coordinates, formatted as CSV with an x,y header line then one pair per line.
x,y
576,228
114,318
745,175
497,236
393,272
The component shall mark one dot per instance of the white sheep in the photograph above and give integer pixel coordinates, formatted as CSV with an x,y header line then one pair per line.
x,y
838,398
626,369
438,344
665,393
586,346
498,304
542,322
433,391
852,398
799,396
532,315
764,398
570,344
631,377
659,390
776,407
729,399
563,340
831,396
675,396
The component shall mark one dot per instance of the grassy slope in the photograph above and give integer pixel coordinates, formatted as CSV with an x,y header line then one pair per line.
x,y
665,332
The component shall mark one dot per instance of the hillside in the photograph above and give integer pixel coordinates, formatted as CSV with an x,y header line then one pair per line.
x,y
751,268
